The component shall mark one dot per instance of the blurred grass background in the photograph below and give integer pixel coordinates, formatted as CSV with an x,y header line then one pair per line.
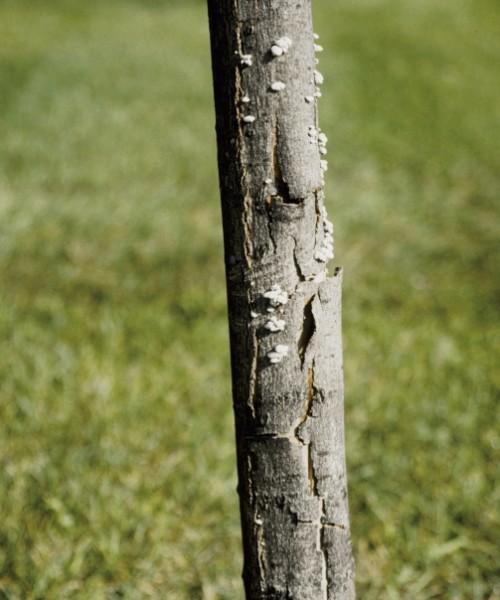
x,y
117,474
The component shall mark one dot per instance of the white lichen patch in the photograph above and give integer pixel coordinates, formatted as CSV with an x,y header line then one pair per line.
x,y
274,324
277,86
276,296
312,133
278,353
246,60
325,252
249,119
254,314
320,255
328,245
245,99
318,78
284,43
309,99
322,141
281,348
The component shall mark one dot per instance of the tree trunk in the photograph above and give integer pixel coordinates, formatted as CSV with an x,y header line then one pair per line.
x,y
284,310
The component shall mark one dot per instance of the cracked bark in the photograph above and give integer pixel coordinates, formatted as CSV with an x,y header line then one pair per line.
x,y
289,413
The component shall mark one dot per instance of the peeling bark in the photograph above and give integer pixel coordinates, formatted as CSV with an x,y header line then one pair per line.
x,y
284,309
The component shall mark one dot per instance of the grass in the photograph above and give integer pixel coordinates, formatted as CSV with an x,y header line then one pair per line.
x,y
117,474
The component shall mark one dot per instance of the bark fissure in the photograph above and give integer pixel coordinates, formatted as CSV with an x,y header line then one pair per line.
x,y
310,395
281,186
269,210
252,384
313,480
284,309
247,200
307,331
323,547
300,273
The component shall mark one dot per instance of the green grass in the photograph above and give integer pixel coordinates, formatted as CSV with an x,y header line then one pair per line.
x,y
117,472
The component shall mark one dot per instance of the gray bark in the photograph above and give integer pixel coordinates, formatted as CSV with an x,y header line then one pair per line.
x,y
284,309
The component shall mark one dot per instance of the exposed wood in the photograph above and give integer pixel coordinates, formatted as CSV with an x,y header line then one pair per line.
x,y
284,309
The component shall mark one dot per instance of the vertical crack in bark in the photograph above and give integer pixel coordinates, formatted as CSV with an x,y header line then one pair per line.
x,y
307,331
320,523
269,222
247,227
247,213
247,216
322,548
261,552
311,392
313,481
252,387
298,269
317,228
251,496
282,188
257,523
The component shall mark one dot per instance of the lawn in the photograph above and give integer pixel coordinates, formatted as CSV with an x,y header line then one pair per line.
x,y
117,466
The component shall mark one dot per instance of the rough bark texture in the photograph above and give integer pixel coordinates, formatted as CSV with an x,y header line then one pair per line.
x,y
284,310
